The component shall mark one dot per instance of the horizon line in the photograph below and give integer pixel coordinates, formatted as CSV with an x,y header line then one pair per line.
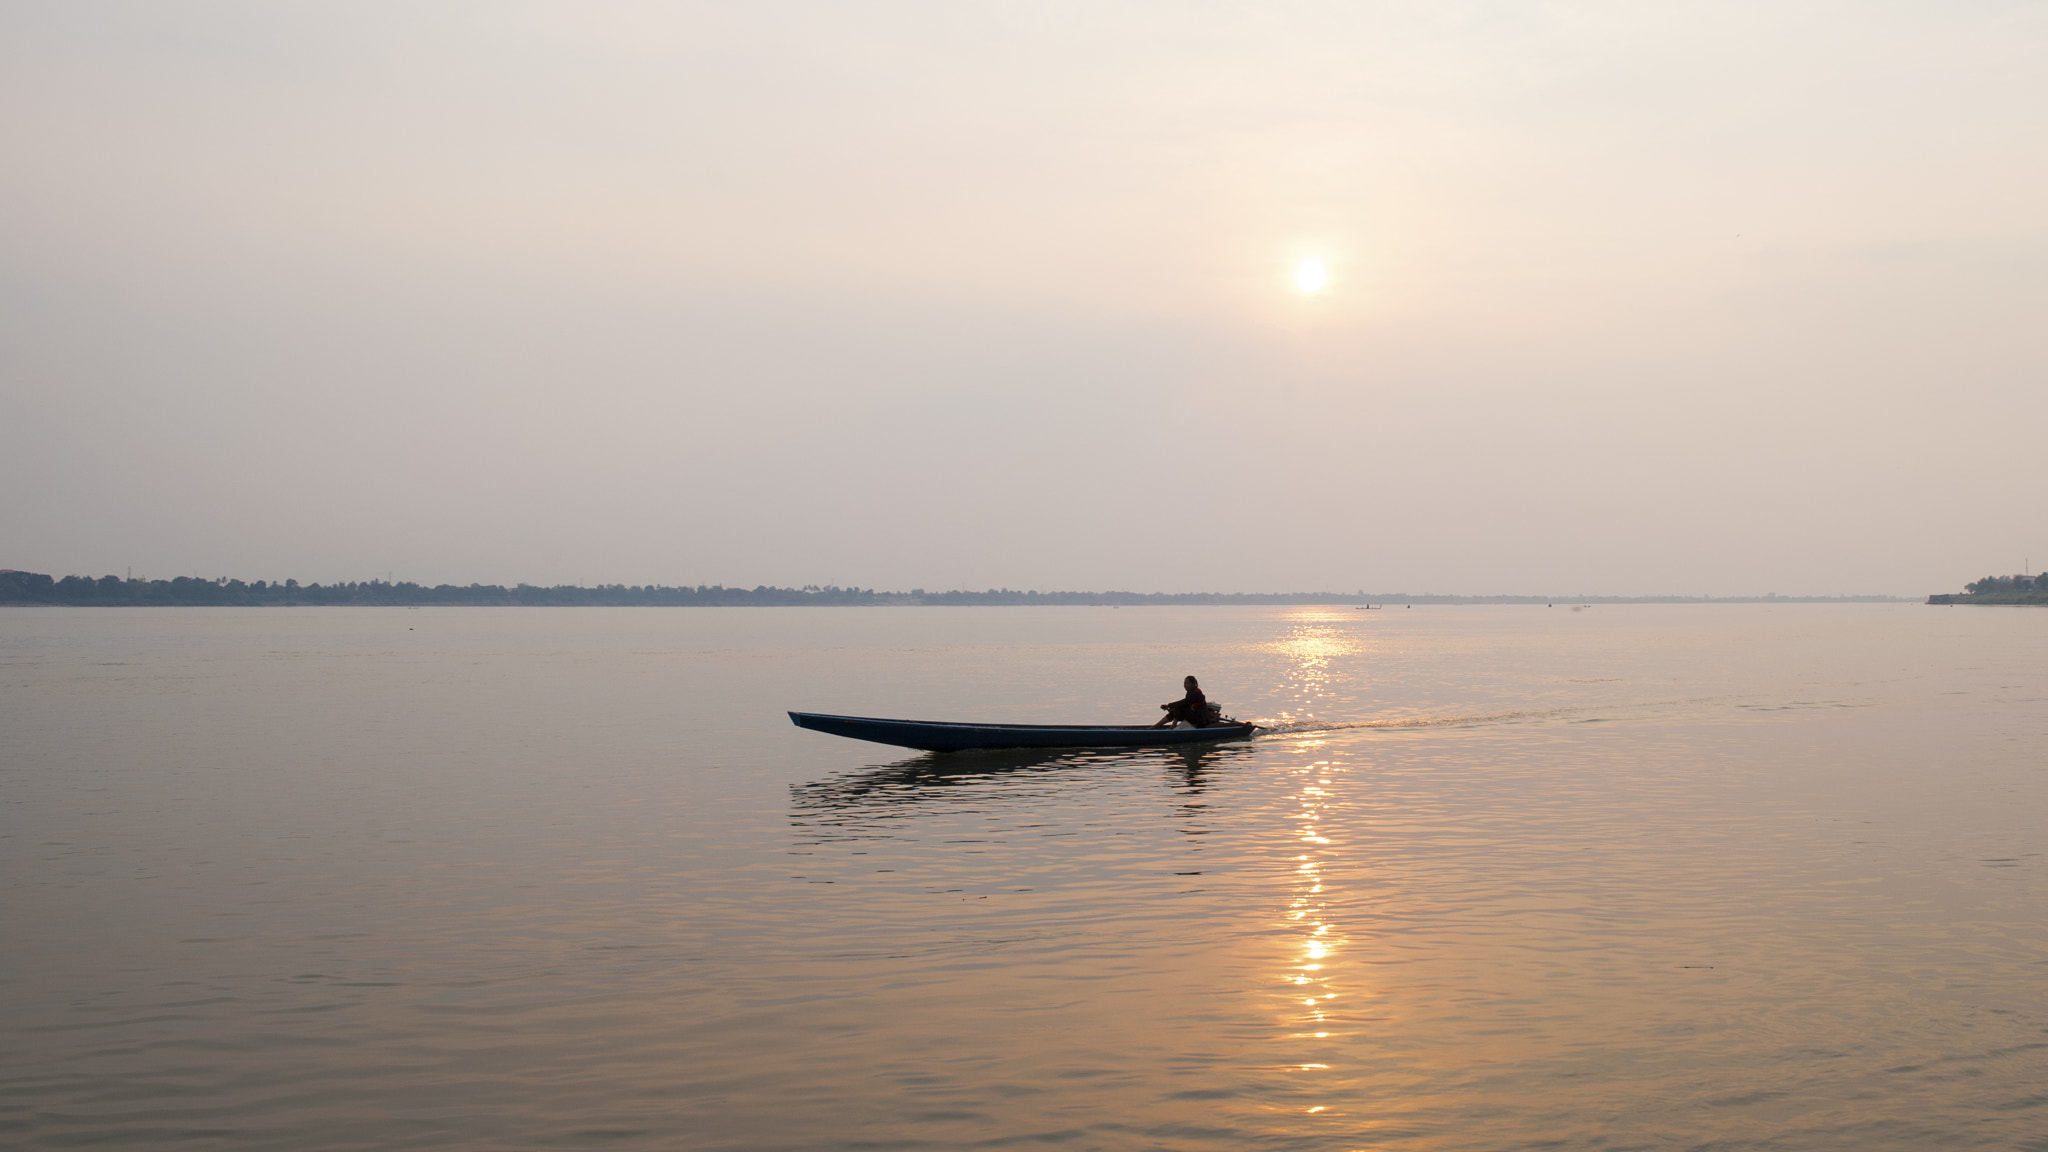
x,y
74,587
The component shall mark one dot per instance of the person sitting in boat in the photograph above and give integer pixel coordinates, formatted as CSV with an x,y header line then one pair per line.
x,y
1193,708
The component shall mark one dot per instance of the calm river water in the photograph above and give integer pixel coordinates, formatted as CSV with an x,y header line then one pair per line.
x,y
1686,876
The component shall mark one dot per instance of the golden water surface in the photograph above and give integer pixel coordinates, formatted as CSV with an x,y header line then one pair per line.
x,y
1674,876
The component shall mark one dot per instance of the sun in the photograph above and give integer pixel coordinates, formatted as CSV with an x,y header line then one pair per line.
x,y
1310,276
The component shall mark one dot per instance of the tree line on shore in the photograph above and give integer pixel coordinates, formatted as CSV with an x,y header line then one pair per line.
x,y
190,591
1999,590
84,591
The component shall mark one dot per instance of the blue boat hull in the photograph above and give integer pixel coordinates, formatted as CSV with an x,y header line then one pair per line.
x,y
938,736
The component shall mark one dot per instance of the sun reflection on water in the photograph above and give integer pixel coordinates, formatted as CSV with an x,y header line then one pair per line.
x,y
1314,641
1315,942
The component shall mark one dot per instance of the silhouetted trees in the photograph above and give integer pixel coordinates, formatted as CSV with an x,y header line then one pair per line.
x,y
1991,585
36,588
2000,590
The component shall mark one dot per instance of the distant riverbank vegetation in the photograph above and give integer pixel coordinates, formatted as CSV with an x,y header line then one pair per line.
x,y
84,591
190,591
1999,590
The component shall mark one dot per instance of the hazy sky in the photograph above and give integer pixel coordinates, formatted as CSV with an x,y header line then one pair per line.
x,y
1622,297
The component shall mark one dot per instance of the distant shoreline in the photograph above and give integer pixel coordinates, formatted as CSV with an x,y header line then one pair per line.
x,y
32,588
2025,589
2023,598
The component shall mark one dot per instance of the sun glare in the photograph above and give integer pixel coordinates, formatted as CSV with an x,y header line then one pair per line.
x,y
1311,276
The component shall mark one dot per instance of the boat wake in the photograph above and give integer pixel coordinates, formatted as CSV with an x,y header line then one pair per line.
x,y
1611,711
1308,727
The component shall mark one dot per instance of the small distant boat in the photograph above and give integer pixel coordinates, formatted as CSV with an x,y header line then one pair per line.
x,y
941,736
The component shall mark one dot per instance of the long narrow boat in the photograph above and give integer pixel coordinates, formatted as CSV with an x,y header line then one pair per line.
x,y
940,736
